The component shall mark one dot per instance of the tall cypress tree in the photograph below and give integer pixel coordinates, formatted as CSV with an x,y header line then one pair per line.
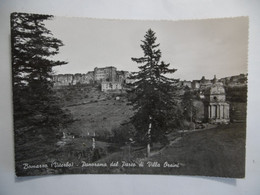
x,y
153,93
35,104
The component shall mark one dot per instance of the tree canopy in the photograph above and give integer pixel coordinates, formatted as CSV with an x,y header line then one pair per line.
x,y
33,45
153,98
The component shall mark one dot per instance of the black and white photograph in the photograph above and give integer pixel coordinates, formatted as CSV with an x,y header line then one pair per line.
x,y
110,96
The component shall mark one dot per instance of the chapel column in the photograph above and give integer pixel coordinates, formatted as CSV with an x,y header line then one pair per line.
x,y
209,111
217,111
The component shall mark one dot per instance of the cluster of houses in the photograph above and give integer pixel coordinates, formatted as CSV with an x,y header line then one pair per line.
x,y
213,96
112,79
108,77
212,91
203,83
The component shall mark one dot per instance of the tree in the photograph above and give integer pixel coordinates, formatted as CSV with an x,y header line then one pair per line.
x,y
189,110
153,99
35,104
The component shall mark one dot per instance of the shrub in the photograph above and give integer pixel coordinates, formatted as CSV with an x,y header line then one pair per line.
x,y
103,135
123,133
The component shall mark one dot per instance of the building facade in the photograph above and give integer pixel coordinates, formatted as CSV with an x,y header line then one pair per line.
x,y
216,107
72,79
105,74
99,75
111,86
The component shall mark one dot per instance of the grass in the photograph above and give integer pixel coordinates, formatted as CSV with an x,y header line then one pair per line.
x,y
214,152
218,151
99,116
93,110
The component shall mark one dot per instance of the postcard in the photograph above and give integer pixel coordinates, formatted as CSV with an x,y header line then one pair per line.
x,y
110,96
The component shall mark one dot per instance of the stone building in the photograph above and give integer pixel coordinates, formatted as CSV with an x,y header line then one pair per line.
x,y
186,83
105,74
201,84
216,107
62,79
111,85
72,79
212,93
237,80
122,76
195,84
99,75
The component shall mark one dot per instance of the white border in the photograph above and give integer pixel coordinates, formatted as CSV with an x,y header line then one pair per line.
x,y
131,184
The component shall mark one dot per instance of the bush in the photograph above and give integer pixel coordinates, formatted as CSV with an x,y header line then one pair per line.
x,y
104,135
236,94
123,133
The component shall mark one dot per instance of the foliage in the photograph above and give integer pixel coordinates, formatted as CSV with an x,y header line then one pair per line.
x,y
34,100
103,135
123,133
236,93
153,99
189,110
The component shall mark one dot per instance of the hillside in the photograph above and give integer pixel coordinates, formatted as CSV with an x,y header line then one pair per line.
x,y
93,110
216,151
219,151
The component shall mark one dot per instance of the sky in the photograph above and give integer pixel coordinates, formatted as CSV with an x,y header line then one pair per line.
x,y
195,48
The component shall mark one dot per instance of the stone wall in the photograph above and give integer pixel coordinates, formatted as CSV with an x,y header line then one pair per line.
x,y
72,79
99,75
107,86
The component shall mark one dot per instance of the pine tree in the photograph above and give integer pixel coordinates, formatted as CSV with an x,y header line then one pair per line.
x,y
153,93
35,104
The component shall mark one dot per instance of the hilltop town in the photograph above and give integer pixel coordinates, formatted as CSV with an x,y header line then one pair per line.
x,y
215,108
112,79
213,99
108,77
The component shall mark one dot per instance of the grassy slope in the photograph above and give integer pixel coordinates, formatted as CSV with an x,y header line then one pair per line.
x,y
213,152
99,116
93,110
217,152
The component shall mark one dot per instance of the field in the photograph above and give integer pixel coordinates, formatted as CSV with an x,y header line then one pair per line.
x,y
215,151
99,116
219,151
95,111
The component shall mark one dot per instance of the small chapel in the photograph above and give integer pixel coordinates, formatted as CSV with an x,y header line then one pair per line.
x,y
216,107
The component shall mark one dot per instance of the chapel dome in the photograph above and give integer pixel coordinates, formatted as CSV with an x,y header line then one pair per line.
x,y
217,89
